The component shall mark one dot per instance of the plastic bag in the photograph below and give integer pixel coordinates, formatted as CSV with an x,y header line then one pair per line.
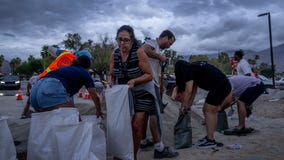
x,y
42,141
59,135
7,147
73,142
83,141
183,132
98,146
119,130
222,122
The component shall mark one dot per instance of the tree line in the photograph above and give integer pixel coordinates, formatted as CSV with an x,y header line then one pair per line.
x,y
101,52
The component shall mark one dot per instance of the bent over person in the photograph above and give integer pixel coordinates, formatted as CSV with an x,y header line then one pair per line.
x,y
189,76
246,89
56,88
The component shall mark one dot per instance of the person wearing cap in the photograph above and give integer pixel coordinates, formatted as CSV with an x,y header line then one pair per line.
x,y
57,88
82,53
63,58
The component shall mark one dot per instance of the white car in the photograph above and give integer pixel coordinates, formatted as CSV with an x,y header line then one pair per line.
x,y
279,83
267,82
281,80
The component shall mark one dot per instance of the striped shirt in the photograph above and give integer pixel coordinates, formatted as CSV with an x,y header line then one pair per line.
x,y
125,71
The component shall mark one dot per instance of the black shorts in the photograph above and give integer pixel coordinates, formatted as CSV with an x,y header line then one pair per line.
x,y
143,101
217,95
251,94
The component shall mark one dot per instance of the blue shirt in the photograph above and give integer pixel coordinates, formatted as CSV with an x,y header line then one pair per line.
x,y
72,78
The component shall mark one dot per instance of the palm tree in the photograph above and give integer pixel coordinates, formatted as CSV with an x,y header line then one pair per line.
x,y
1,60
14,63
31,58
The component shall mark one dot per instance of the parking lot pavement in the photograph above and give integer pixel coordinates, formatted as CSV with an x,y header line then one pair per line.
x,y
267,120
11,107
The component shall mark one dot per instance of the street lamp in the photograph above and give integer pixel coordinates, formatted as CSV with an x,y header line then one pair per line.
x,y
271,47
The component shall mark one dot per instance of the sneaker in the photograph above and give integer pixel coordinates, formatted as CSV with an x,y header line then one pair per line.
x,y
149,143
202,140
249,118
208,144
166,153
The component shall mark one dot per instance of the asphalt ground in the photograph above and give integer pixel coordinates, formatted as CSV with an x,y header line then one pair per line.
x,y
265,144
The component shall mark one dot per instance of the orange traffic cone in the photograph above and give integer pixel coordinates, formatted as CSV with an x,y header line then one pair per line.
x,y
87,95
80,95
19,95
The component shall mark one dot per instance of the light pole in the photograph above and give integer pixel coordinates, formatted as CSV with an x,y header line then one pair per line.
x,y
271,47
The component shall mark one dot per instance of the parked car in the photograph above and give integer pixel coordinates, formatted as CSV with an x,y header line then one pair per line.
x,y
267,82
279,83
10,82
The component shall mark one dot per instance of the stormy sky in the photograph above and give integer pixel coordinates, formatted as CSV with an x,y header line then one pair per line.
x,y
200,26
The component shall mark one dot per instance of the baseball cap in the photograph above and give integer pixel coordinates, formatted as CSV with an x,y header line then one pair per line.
x,y
53,51
83,52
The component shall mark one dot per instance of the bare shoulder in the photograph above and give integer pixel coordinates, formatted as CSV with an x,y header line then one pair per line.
x,y
141,53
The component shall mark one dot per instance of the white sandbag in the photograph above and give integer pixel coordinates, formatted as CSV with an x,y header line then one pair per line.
x,y
42,142
73,142
119,130
98,145
7,147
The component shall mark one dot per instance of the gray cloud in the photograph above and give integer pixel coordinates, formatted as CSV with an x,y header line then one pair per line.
x,y
9,35
199,25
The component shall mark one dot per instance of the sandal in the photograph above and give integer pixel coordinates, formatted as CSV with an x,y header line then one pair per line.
x,y
238,131
243,130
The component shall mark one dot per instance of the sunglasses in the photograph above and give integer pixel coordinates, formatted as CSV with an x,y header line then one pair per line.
x,y
124,40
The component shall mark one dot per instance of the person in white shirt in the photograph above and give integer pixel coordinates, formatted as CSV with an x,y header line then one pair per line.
x,y
243,67
153,49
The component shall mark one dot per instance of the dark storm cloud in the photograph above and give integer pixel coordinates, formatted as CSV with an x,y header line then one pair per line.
x,y
221,28
199,25
8,35
26,15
